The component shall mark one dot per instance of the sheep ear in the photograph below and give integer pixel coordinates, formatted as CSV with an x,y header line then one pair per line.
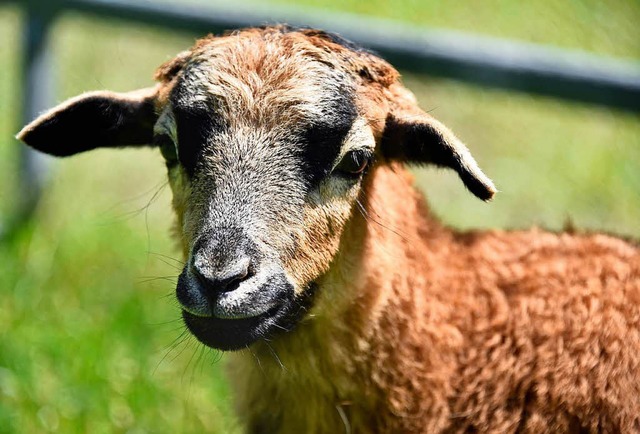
x,y
94,120
416,137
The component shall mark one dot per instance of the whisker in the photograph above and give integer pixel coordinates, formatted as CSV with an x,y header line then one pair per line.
x,y
166,258
160,185
171,321
174,266
195,365
171,295
145,279
280,327
136,212
171,347
368,217
189,362
275,355
217,356
255,356
186,340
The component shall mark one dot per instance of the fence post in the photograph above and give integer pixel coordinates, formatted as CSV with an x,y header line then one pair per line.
x,y
38,94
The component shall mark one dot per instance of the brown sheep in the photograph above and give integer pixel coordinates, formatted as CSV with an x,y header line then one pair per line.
x,y
307,242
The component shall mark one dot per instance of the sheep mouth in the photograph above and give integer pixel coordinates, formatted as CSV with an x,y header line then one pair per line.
x,y
231,334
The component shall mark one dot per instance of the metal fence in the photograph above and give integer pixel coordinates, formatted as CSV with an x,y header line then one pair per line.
x,y
530,68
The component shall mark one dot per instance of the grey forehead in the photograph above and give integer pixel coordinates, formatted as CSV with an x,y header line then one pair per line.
x,y
315,131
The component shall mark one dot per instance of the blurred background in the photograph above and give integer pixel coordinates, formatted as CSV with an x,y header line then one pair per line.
x,y
90,339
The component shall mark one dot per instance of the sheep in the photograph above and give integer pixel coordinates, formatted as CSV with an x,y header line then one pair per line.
x,y
307,242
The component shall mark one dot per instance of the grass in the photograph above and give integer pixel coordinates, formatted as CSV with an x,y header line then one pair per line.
x,y
89,337
603,27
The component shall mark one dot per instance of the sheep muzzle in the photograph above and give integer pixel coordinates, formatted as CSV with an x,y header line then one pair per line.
x,y
231,293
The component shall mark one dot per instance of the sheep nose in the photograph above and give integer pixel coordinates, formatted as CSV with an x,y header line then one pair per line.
x,y
224,279
222,258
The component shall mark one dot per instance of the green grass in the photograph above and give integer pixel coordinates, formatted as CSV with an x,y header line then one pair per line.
x,y
88,323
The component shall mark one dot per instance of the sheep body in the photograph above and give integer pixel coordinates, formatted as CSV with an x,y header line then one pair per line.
x,y
420,329
409,327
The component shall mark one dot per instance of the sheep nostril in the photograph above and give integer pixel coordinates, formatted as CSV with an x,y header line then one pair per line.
x,y
232,279
223,280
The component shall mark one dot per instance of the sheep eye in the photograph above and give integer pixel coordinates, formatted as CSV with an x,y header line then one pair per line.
x,y
354,163
167,148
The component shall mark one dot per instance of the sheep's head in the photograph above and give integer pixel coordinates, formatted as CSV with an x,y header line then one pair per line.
x,y
267,136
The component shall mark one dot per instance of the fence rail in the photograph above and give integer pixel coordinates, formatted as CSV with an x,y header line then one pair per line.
x,y
491,62
531,68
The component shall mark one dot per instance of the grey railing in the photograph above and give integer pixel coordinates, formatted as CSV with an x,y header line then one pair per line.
x,y
530,68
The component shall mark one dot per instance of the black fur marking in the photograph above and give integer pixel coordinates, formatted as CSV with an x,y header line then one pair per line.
x,y
322,140
94,122
422,143
194,127
416,142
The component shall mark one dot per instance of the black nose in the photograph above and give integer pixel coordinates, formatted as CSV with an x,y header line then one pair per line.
x,y
222,259
225,279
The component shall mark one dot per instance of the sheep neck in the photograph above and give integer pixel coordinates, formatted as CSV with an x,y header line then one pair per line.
x,y
321,375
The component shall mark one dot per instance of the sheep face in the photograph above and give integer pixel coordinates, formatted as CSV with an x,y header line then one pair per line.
x,y
267,136
266,150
